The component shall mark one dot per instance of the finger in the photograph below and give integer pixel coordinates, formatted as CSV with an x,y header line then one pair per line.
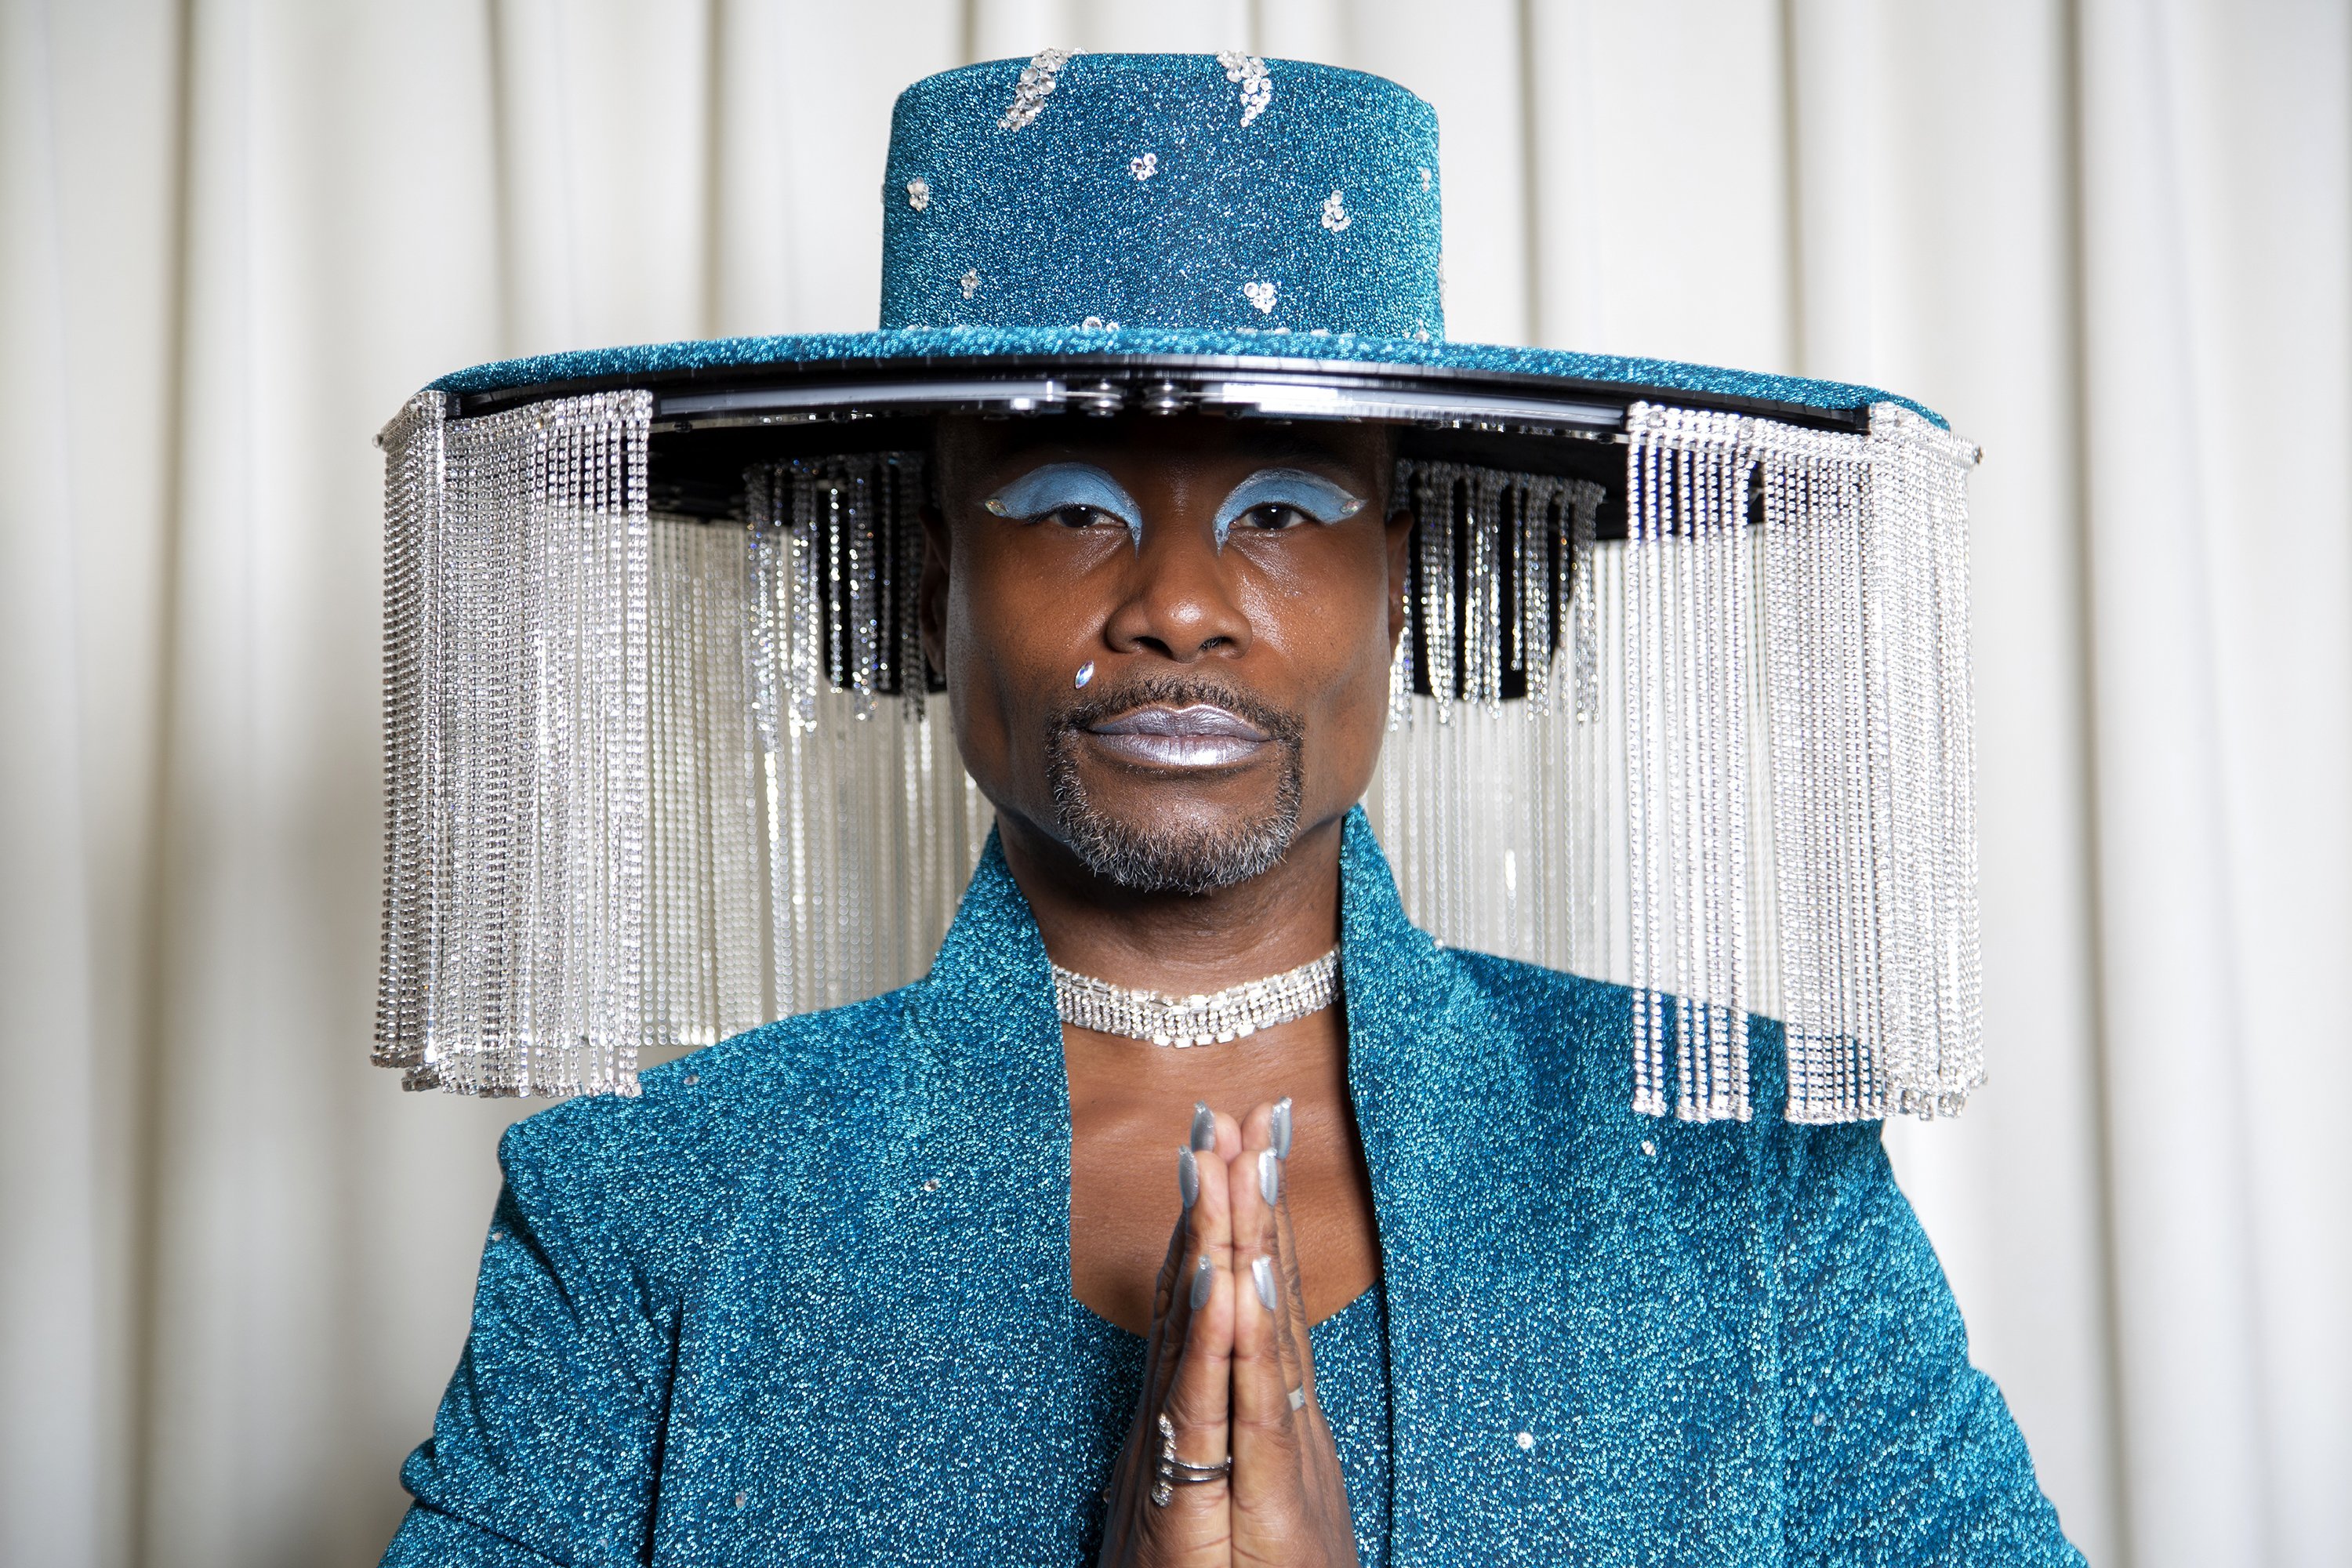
x,y
1197,1409
1159,1349
1318,1456
1188,1188
1290,1322
1204,1227
1171,1265
1131,1471
1203,1134
1299,1345
1322,1488
1265,1448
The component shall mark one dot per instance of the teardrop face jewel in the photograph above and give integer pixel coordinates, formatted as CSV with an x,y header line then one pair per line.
x,y
1086,672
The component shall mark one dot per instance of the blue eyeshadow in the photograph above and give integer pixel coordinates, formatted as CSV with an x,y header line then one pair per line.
x,y
1310,494
1043,491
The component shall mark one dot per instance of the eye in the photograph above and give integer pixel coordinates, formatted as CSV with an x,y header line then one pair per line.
x,y
1278,500
1274,517
1074,516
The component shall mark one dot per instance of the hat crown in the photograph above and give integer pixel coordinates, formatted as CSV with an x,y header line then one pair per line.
x,y
1194,192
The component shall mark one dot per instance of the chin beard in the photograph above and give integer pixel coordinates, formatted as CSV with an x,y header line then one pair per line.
x,y
1173,859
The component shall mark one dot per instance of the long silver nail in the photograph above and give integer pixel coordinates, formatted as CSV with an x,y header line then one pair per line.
x,y
1188,1176
1204,1278
1204,1125
1269,1176
1263,1272
1282,1128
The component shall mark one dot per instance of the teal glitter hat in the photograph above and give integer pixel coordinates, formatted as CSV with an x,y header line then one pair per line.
x,y
660,760
1123,211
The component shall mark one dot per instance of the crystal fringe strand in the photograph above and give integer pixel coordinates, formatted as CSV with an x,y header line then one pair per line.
x,y
414,488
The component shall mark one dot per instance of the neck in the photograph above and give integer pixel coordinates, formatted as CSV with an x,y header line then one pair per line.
x,y
1180,943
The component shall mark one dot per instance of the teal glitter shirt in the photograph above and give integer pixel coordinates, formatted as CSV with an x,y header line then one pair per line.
x,y
807,1300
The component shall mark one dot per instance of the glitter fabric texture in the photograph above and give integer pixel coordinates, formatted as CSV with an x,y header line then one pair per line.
x,y
806,1299
1055,202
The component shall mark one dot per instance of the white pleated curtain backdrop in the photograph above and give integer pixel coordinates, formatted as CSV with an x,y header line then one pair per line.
x,y
2109,238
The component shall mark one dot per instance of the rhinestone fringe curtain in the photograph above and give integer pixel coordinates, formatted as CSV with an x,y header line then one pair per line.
x,y
517,563
654,779
1761,797
643,789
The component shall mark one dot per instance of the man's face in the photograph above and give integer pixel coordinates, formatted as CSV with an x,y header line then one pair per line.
x,y
1166,639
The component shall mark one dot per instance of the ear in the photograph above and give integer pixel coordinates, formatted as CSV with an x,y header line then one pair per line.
x,y
1399,548
931,588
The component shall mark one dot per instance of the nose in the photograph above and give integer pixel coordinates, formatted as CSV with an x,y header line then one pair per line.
x,y
1179,600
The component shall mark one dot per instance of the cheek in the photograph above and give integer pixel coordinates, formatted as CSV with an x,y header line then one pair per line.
x,y
1021,616
1013,645
1331,628
1330,619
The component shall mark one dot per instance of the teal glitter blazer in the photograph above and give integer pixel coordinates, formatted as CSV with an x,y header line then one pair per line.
x,y
807,1300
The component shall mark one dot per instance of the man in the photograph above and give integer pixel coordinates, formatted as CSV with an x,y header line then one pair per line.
x,y
1196,1207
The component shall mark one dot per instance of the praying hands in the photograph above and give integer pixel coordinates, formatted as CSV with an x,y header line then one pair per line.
x,y
1229,1459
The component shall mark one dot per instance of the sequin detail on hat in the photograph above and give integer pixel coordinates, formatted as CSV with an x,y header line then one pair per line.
x,y
1257,87
1261,295
1335,213
1144,167
1037,82
971,283
918,194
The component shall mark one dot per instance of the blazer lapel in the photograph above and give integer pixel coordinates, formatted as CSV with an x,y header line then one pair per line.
x,y
1478,1248
986,1300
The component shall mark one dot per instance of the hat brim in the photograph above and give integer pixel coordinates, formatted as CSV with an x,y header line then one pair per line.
x,y
916,370
720,404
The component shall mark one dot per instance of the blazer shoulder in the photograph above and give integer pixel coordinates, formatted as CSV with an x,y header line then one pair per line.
x,y
1567,1039
696,1117
1586,1026
1553,1010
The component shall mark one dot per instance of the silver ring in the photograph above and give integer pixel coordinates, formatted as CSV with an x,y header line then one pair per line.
x,y
1299,1397
1169,1472
1188,1467
1197,1478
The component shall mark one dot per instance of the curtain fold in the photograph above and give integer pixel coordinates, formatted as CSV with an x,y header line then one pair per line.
x,y
2109,238
49,1354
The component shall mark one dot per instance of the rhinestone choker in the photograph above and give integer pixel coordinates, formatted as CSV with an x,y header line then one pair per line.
x,y
1234,1014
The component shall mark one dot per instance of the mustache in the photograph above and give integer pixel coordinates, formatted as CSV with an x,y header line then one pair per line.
x,y
1278,724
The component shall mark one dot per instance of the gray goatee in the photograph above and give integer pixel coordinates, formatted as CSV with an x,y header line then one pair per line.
x,y
1173,857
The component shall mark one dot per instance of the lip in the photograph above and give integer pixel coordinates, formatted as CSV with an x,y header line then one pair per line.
x,y
1198,735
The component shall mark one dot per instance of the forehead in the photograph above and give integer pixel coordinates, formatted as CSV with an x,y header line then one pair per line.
x,y
971,451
